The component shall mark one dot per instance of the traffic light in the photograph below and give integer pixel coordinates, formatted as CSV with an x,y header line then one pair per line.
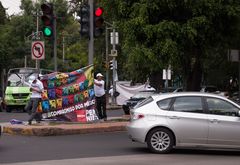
x,y
98,21
47,19
84,15
111,64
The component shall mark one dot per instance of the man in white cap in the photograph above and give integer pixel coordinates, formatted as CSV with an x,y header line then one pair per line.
x,y
100,96
37,90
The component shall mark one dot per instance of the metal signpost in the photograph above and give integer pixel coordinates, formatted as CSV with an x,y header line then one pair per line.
x,y
114,42
166,77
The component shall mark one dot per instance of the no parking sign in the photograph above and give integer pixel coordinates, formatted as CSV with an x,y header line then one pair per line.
x,y
38,51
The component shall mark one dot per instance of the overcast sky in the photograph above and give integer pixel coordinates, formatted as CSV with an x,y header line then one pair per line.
x,y
12,6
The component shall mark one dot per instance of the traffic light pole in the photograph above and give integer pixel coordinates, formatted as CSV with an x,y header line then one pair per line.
x,y
55,42
91,37
113,54
114,66
107,69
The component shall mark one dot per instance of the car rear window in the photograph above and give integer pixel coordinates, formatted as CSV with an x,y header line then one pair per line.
x,y
144,102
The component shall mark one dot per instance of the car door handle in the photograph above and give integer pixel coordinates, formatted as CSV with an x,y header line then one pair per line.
x,y
214,120
174,117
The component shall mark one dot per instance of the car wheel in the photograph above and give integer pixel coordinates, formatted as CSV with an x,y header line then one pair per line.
x,y
160,140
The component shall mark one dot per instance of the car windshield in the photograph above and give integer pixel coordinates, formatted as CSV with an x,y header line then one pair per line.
x,y
143,94
16,77
144,102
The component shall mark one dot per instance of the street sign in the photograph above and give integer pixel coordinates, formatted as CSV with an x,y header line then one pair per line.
x,y
114,38
166,74
38,51
233,55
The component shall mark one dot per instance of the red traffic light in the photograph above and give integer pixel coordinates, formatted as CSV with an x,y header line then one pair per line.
x,y
47,20
98,11
98,21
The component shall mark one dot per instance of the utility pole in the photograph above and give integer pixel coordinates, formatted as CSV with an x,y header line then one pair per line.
x,y
55,42
106,56
114,42
63,44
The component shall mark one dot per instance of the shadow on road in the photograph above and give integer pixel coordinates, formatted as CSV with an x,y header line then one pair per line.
x,y
179,151
212,152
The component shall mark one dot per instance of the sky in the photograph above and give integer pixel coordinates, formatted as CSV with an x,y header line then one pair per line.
x,y
12,6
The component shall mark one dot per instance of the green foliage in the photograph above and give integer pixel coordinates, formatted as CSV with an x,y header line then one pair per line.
x,y
3,17
28,7
156,34
186,34
16,37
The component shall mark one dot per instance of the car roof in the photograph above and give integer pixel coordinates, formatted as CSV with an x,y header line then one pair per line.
x,y
148,91
176,94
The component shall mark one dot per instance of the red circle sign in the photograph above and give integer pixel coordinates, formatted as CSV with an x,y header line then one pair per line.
x,y
37,50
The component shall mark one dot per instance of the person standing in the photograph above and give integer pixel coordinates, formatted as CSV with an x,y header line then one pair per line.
x,y
111,95
100,96
37,89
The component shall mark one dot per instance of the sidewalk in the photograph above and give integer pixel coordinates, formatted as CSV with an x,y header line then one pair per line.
x,y
47,128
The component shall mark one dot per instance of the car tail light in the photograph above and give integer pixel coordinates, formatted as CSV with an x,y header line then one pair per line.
x,y
136,116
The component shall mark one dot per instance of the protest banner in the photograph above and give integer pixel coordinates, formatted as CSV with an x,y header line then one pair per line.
x,y
69,96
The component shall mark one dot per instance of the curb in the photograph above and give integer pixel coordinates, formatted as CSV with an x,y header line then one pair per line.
x,y
114,107
63,129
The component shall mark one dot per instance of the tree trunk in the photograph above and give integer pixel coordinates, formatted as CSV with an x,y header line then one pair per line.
x,y
156,81
194,77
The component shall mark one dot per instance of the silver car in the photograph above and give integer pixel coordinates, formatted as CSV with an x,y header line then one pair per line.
x,y
186,119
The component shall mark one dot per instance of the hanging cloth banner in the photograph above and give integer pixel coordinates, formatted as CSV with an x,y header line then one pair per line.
x,y
69,96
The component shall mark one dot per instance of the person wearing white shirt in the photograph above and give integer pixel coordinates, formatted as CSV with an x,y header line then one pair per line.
x,y
100,96
111,94
36,96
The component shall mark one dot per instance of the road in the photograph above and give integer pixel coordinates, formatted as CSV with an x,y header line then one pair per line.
x,y
35,148
96,149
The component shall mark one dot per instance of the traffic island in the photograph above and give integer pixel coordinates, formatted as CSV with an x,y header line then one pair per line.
x,y
55,129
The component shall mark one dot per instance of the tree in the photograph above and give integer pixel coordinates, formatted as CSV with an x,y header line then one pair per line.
x,y
3,17
156,34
